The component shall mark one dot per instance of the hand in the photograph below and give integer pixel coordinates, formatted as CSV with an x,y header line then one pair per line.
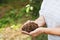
x,y
33,33
36,32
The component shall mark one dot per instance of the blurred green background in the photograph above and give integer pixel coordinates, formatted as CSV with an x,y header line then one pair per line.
x,y
14,12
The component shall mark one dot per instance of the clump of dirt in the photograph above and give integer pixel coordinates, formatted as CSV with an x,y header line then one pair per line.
x,y
31,26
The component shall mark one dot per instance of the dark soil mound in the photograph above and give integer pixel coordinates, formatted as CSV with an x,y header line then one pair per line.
x,y
31,26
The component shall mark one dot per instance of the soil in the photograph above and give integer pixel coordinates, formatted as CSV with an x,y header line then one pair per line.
x,y
31,26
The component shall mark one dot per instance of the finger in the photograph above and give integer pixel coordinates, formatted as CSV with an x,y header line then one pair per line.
x,y
34,33
24,32
31,33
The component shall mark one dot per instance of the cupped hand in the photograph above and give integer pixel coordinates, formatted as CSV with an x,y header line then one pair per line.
x,y
35,33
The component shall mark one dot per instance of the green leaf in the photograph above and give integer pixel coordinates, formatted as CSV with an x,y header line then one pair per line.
x,y
27,9
31,8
